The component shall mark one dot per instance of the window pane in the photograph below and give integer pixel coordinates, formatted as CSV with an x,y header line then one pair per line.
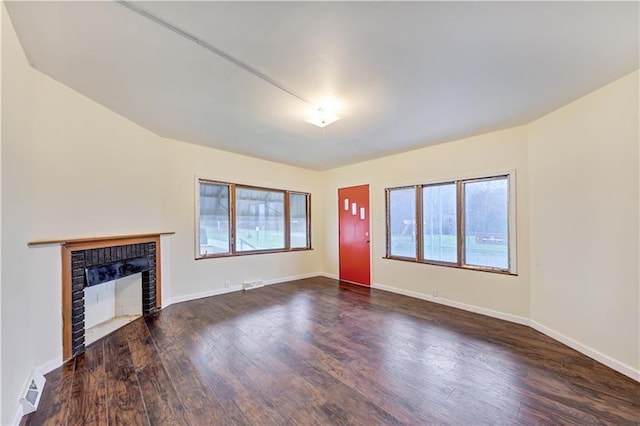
x,y
440,230
259,219
486,212
214,219
402,219
298,226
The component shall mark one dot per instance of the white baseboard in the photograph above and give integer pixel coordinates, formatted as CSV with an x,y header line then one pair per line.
x,y
41,370
327,275
454,304
218,291
49,366
574,344
201,295
18,417
588,351
291,278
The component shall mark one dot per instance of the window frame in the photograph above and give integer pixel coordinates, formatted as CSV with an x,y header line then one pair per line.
x,y
387,192
233,251
460,224
308,216
420,257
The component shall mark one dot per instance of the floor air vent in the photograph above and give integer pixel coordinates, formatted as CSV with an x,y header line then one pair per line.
x,y
250,285
32,395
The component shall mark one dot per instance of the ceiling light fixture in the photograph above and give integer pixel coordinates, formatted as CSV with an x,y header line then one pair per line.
x,y
323,116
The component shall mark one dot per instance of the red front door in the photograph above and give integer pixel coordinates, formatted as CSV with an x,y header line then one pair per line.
x,y
354,234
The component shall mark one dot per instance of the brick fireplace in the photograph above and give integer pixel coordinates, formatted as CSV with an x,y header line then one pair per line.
x,y
94,257
80,254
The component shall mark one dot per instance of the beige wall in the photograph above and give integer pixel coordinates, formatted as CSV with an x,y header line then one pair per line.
x,y
178,182
477,156
15,85
72,168
583,174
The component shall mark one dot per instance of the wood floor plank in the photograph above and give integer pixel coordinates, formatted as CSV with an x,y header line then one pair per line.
x,y
250,384
570,394
381,389
318,351
87,404
222,392
162,402
124,399
194,392
255,396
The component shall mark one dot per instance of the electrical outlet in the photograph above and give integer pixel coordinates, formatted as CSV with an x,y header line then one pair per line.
x,y
227,284
434,292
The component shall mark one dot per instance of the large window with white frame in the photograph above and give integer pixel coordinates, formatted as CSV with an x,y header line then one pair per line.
x,y
465,223
234,219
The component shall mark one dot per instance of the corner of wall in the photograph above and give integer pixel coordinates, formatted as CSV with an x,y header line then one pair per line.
x,y
584,195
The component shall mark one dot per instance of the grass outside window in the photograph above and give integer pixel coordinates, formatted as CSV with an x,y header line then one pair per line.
x,y
466,223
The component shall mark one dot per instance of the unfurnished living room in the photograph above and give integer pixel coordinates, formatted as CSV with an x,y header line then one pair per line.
x,y
328,213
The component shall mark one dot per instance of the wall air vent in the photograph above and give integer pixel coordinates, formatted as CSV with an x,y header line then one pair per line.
x,y
31,397
250,285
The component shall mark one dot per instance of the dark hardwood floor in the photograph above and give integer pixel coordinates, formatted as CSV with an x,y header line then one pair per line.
x,y
316,351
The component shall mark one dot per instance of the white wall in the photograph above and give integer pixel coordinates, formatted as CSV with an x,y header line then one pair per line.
x,y
71,168
583,173
477,156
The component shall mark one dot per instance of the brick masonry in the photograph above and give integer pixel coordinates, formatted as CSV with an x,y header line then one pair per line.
x,y
80,259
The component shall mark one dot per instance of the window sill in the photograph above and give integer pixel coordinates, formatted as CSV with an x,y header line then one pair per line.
x,y
250,253
454,266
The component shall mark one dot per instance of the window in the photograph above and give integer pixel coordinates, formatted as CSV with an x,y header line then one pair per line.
x,y
299,220
486,223
402,222
465,223
259,219
256,220
440,223
214,219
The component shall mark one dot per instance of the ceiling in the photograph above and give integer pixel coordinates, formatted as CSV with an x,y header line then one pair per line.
x,y
407,74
